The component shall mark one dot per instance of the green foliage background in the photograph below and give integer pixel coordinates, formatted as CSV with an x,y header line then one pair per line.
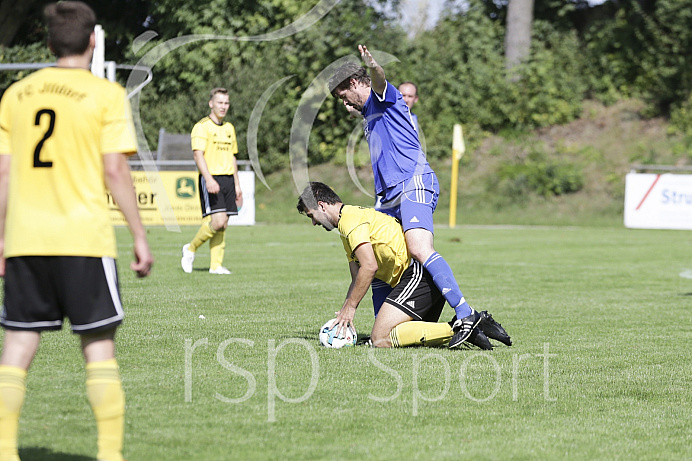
x,y
609,53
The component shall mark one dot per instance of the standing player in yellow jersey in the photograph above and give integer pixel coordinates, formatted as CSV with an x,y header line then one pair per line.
x,y
64,137
376,250
214,146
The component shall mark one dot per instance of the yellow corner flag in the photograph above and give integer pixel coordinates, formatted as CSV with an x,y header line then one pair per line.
x,y
458,142
458,149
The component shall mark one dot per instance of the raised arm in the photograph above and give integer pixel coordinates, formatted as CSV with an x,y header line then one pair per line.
x,y
377,78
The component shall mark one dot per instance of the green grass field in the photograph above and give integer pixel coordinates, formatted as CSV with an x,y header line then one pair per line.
x,y
601,320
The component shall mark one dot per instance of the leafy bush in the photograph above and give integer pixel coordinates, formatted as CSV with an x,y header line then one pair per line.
x,y
34,53
681,124
177,97
460,70
681,117
641,49
540,175
551,84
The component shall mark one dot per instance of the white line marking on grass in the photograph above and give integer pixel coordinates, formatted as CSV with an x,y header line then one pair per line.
x,y
686,274
287,244
515,227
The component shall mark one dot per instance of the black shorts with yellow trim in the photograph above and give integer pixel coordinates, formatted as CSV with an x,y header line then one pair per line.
x,y
40,291
223,202
416,295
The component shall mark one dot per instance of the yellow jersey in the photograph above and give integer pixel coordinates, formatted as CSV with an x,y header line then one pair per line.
x,y
219,144
358,225
56,124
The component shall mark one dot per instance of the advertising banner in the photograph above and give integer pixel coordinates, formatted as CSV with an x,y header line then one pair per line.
x,y
180,189
658,201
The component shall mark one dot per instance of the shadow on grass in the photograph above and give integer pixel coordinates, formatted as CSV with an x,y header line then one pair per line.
x,y
41,454
313,338
362,340
301,335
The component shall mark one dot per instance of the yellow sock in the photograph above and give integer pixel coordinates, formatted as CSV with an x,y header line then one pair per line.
x,y
105,394
12,391
416,333
217,246
204,233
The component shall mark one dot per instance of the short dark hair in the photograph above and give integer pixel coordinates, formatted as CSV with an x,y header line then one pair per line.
x,y
316,192
216,91
343,75
70,25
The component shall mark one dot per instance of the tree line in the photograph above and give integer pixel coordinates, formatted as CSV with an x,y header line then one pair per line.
x,y
574,52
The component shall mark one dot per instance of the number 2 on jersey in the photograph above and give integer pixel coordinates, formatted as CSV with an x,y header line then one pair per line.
x,y
38,163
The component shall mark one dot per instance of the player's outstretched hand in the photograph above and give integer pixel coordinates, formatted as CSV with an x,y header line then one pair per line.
x,y
344,318
367,57
143,259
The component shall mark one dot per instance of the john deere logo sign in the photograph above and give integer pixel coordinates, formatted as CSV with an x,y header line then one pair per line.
x,y
170,197
185,187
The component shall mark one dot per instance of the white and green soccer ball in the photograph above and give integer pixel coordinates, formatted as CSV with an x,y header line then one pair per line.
x,y
329,338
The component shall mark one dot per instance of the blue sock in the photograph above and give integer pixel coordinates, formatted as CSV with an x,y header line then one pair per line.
x,y
444,280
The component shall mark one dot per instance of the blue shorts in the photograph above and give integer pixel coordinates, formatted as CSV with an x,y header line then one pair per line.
x,y
412,202
380,291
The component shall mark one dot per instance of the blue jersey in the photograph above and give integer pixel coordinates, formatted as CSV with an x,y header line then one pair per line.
x,y
395,151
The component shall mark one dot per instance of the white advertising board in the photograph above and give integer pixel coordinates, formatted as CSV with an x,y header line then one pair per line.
x,y
246,215
658,201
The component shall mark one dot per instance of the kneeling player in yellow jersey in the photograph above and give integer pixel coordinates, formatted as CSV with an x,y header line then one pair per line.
x,y
376,249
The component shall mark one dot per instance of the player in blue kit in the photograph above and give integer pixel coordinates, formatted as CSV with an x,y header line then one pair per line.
x,y
409,91
404,181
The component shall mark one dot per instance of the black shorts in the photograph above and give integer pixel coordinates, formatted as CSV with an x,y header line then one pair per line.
x,y
223,202
416,295
40,291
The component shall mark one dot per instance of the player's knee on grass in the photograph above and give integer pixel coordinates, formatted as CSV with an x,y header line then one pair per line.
x,y
387,319
380,338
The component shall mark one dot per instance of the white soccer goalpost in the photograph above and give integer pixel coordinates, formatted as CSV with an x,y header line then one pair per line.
x,y
99,66
106,69
99,59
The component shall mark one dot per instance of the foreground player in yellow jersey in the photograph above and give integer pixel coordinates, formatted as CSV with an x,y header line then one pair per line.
x,y
376,249
214,146
64,137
